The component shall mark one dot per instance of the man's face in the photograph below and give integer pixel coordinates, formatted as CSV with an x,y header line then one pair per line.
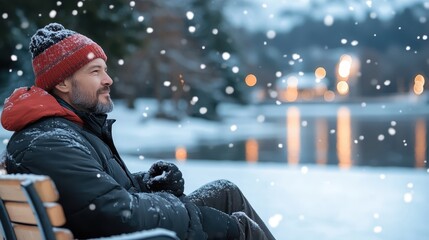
x,y
91,87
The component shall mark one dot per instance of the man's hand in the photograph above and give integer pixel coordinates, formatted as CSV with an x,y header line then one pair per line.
x,y
165,176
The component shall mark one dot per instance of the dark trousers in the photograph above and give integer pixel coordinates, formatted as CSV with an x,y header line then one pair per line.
x,y
225,196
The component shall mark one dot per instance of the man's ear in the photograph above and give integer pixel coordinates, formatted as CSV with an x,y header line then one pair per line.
x,y
64,86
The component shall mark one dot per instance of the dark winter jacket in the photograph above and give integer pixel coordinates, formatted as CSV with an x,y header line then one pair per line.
x,y
99,195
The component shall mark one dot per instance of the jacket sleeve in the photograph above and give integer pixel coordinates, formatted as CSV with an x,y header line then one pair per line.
x,y
94,203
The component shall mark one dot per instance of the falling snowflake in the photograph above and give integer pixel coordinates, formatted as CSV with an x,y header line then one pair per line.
x,y
92,207
377,229
275,220
408,197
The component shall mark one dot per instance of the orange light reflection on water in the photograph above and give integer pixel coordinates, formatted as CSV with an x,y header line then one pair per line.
x,y
252,149
344,138
420,146
293,135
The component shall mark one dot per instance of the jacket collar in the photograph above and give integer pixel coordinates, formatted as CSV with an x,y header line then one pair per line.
x,y
96,123
27,105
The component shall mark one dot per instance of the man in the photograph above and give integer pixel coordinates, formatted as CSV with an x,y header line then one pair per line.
x,y
61,130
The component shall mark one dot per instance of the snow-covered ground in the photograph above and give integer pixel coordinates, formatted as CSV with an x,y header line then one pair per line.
x,y
310,202
296,202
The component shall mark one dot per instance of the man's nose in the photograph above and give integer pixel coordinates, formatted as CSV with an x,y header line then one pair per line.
x,y
107,80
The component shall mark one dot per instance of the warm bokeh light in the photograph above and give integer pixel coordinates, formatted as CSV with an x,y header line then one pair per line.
x,y
291,93
250,80
293,135
419,79
344,138
301,86
419,82
418,90
181,154
342,87
252,149
320,73
329,96
420,147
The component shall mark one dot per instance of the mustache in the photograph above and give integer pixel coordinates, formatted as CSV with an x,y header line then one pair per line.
x,y
105,89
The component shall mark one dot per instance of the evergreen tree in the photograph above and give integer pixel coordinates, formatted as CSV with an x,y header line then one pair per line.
x,y
113,24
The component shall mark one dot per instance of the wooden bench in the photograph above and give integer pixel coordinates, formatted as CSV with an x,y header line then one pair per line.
x,y
29,210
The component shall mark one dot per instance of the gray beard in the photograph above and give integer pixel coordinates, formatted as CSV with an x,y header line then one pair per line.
x,y
103,108
84,102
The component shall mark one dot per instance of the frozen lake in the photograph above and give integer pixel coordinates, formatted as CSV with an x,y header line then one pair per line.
x,y
351,141
344,135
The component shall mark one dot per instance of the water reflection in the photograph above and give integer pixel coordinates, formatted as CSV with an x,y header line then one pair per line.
x,y
293,135
321,141
252,149
343,138
420,147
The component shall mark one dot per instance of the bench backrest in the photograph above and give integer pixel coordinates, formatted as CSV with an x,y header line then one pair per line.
x,y
29,208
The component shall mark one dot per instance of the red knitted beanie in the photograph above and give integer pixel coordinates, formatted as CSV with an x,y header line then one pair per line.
x,y
58,53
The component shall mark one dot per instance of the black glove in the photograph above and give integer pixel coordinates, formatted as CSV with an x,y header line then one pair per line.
x,y
165,176
142,179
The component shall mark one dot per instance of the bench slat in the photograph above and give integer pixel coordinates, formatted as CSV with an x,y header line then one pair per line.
x,y
10,188
22,213
25,232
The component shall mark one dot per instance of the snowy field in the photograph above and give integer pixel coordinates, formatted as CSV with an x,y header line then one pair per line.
x,y
296,202
310,202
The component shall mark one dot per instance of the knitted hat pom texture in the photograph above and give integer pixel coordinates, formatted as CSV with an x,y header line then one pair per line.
x,y
48,36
